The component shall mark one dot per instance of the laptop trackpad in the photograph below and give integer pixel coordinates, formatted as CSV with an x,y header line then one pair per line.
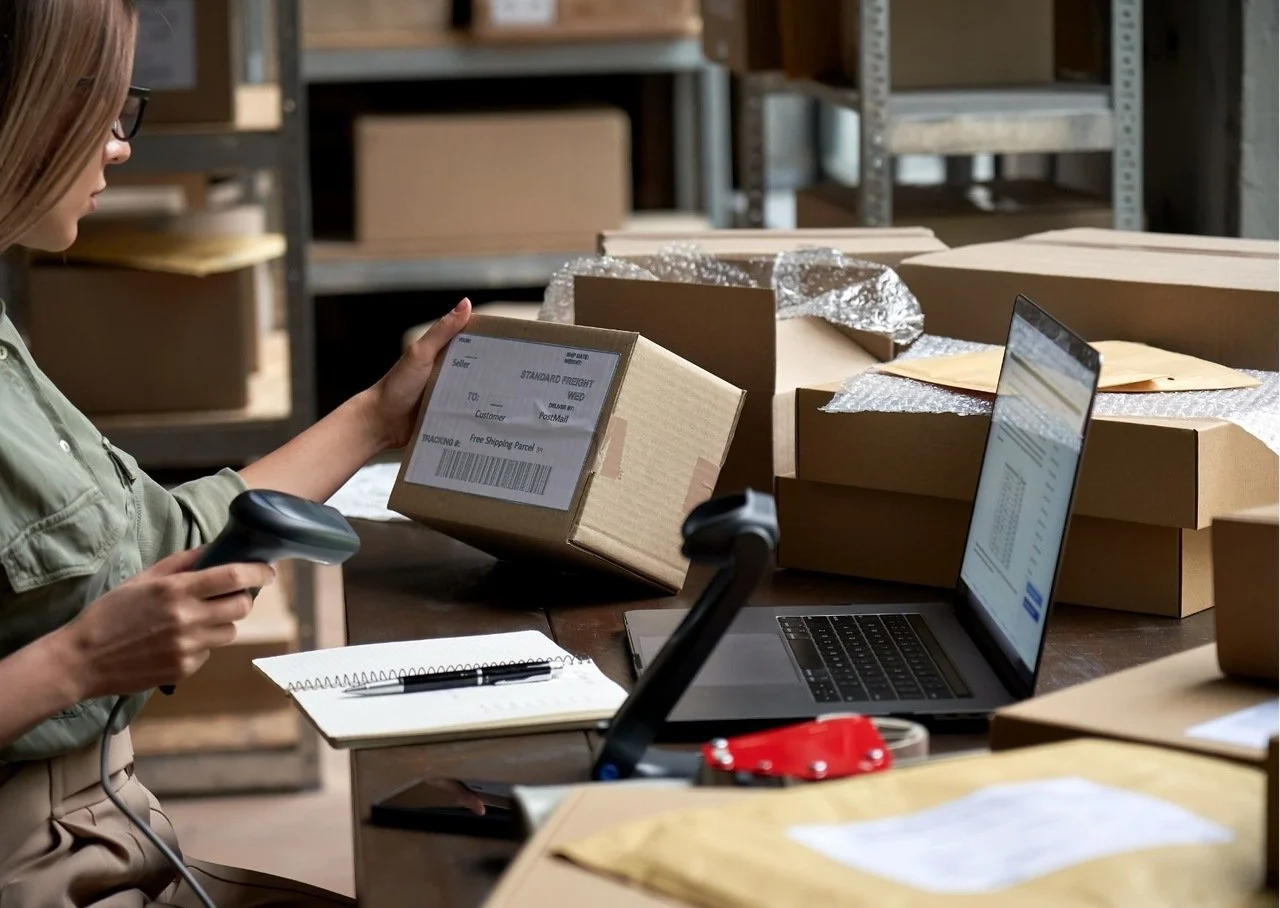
x,y
738,659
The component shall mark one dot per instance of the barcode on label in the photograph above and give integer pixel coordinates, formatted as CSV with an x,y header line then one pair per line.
x,y
494,472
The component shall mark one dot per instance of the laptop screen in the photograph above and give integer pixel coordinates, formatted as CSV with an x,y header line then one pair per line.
x,y
1025,487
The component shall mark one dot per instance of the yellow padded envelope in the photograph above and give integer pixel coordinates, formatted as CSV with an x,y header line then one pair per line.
x,y
768,852
1126,367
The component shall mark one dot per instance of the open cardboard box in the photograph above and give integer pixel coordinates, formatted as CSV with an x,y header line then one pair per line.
x,y
566,445
1212,297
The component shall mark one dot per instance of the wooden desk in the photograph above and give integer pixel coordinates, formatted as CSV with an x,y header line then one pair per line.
x,y
409,582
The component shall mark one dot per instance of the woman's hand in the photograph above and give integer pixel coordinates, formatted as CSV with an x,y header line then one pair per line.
x,y
393,402
158,627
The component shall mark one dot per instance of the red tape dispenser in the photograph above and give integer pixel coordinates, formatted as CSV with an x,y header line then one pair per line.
x,y
833,747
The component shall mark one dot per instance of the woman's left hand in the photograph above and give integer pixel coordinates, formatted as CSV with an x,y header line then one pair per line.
x,y
394,400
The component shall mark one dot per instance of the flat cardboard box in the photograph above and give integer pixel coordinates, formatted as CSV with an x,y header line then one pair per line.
x,y
479,183
932,43
887,246
1164,472
1156,703
567,445
751,349
1246,590
960,216
742,35
153,323
186,55
557,20
917,539
343,23
1211,297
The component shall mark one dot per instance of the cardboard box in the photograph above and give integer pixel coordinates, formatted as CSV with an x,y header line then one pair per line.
x,y
918,539
1165,472
150,323
369,23
1246,590
932,43
962,216
555,20
1216,298
186,54
742,34
1273,813
569,445
1157,703
492,183
887,246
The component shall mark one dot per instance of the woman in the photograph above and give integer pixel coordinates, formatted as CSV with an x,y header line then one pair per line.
x,y
95,596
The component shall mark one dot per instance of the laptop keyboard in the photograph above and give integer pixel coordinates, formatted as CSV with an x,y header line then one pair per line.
x,y
861,658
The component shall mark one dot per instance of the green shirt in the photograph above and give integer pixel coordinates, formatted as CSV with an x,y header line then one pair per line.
x,y
77,518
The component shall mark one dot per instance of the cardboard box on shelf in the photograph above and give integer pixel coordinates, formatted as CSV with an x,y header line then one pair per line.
x,y
187,55
555,20
482,183
960,216
1246,588
567,445
374,23
1164,472
1211,297
742,34
919,539
171,318
932,43
1169,702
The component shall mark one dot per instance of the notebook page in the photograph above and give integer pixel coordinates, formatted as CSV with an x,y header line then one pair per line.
x,y
349,665
578,693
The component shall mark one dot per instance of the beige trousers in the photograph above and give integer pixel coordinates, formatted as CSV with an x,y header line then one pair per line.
x,y
63,844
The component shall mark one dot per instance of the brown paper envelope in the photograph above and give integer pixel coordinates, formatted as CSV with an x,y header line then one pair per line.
x,y
1126,366
189,255
747,855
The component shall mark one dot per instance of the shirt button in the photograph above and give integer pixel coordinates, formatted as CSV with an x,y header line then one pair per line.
x,y
62,443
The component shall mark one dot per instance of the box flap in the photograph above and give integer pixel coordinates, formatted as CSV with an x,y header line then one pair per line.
x,y
668,438
866,242
1154,703
190,255
1157,242
812,351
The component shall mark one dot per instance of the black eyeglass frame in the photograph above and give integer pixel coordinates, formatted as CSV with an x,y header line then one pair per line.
x,y
141,95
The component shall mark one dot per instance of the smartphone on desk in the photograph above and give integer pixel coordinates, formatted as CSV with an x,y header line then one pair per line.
x,y
451,807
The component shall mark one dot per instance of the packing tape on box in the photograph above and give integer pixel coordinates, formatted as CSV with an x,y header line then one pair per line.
x,y
826,283
1256,409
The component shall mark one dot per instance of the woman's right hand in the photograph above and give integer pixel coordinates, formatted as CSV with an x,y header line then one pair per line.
x,y
159,626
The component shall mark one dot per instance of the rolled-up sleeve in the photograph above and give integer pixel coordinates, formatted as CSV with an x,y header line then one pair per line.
x,y
184,517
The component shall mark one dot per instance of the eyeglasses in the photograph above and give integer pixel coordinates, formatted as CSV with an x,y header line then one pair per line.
x,y
129,122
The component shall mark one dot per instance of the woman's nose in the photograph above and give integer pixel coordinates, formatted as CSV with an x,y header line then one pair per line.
x,y
118,152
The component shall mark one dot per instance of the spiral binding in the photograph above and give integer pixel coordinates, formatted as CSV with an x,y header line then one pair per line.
x,y
373,677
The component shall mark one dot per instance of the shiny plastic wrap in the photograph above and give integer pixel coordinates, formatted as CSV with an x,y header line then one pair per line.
x,y
820,282
1256,410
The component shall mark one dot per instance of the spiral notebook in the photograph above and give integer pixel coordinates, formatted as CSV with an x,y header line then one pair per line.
x,y
578,696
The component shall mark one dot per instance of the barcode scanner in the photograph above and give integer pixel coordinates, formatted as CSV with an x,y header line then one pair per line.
x,y
264,527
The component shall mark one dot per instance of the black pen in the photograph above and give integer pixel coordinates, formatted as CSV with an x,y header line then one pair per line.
x,y
472,677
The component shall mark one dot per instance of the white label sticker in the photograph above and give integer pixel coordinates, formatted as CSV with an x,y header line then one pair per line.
x,y
1004,835
512,419
165,59
522,12
1252,727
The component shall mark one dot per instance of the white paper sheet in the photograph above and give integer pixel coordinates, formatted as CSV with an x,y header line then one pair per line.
x,y
1004,835
1252,727
512,419
365,495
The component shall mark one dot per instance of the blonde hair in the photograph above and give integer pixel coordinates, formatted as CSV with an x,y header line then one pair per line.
x,y
64,76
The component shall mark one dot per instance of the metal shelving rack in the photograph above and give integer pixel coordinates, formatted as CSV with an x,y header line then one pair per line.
x,y
1055,119
703,155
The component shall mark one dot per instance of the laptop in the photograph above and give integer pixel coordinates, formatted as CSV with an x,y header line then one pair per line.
x,y
964,655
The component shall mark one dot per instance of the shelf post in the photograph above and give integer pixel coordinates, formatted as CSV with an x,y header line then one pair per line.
x,y
875,164
1126,99
751,158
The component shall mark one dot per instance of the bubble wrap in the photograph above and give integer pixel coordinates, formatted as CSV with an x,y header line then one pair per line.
x,y
820,282
1256,410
